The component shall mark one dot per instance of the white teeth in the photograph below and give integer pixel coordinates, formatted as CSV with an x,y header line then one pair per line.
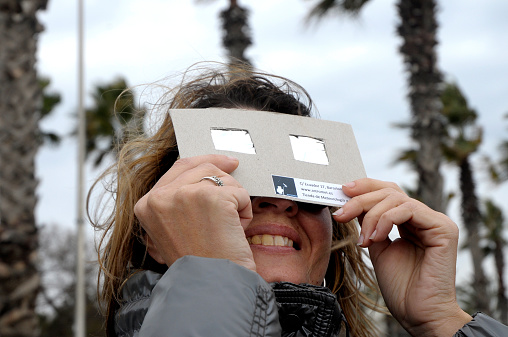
x,y
270,240
256,240
278,240
267,240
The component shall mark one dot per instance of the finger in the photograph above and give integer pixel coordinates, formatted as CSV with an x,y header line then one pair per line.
x,y
377,248
366,185
233,202
380,241
195,175
394,216
208,175
153,251
205,175
214,180
374,223
223,163
420,224
243,205
365,202
236,198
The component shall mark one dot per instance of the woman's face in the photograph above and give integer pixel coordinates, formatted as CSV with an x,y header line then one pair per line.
x,y
290,241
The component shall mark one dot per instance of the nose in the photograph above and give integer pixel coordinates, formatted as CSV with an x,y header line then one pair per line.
x,y
276,205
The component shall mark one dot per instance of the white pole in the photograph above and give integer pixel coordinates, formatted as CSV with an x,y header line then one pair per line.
x,y
80,315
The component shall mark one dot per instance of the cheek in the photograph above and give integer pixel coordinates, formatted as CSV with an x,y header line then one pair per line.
x,y
324,240
324,226
321,240
319,231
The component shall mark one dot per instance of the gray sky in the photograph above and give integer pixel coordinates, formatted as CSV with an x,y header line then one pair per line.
x,y
351,68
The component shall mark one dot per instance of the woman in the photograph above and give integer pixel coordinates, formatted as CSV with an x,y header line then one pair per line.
x,y
257,266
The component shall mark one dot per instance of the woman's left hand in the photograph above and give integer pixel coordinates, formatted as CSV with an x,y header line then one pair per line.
x,y
416,272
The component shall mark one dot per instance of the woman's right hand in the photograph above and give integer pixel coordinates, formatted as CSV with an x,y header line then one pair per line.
x,y
184,215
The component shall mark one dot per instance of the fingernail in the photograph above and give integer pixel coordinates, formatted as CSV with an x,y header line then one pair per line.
x,y
350,184
338,212
373,235
232,158
360,240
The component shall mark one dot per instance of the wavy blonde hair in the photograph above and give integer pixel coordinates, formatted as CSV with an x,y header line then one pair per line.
x,y
142,161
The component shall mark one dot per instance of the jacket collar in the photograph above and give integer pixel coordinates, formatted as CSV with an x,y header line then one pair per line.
x,y
306,310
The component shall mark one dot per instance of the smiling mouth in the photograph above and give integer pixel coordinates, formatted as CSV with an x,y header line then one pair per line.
x,y
272,240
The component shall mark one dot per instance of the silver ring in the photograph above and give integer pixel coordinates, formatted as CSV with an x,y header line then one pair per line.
x,y
215,179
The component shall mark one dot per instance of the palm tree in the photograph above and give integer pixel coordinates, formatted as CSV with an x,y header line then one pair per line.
x,y
113,119
494,222
462,139
20,111
499,170
417,28
503,163
236,35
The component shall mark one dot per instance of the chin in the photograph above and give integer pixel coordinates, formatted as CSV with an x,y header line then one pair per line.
x,y
277,278
286,266
284,274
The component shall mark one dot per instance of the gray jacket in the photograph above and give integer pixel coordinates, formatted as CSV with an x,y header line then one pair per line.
x,y
211,297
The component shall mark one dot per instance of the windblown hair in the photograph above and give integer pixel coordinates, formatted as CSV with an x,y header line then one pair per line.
x,y
143,161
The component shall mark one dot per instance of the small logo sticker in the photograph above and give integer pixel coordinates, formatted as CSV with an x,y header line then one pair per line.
x,y
310,190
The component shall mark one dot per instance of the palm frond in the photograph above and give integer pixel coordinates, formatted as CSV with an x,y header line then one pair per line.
x,y
332,7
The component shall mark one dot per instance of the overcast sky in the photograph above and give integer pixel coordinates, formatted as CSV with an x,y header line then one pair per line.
x,y
351,68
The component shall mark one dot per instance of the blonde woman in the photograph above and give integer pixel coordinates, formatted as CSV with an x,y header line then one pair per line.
x,y
186,251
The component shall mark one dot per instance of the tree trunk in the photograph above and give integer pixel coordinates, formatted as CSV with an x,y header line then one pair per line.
x,y
472,219
418,30
502,301
20,103
236,33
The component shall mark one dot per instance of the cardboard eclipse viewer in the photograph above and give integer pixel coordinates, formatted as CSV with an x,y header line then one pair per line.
x,y
282,156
